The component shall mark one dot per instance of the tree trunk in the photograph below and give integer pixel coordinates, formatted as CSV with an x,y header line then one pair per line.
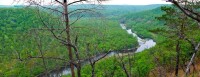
x,y
79,70
68,37
177,58
93,70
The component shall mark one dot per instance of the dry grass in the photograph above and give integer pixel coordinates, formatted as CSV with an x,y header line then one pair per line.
x,y
160,72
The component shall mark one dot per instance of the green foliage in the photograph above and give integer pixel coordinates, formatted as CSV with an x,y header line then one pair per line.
x,y
144,22
164,33
19,40
115,11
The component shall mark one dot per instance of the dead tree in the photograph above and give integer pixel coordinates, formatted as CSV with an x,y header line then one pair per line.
x,y
94,59
39,44
64,35
126,66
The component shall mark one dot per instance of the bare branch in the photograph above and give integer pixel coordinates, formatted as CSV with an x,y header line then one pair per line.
x,y
192,58
50,29
39,44
76,20
54,58
103,56
186,12
81,11
76,2
49,8
59,2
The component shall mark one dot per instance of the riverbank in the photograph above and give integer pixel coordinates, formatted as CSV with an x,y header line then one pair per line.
x,y
143,44
65,69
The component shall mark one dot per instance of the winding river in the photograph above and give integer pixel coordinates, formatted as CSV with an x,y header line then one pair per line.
x,y
143,44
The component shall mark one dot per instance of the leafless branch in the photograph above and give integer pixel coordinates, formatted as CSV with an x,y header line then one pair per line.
x,y
50,29
39,44
54,10
123,65
79,11
192,58
78,18
53,58
59,2
186,12
75,2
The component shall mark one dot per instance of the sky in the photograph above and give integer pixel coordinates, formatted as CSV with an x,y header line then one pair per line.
x,y
111,2
136,2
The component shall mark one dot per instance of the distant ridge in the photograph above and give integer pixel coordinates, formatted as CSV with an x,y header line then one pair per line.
x,y
106,10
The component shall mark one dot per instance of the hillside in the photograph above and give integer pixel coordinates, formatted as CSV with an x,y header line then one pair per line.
x,y
108,11
37,42
21,33
19,37
143,22
154,62
117,10
138,64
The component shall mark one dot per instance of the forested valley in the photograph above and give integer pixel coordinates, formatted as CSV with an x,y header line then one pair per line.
x,y
95,40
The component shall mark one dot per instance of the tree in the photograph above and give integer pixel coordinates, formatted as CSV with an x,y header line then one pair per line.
x,y
62,31
176,23
190,9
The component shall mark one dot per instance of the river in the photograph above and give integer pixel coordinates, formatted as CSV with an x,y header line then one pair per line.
x,y
143,44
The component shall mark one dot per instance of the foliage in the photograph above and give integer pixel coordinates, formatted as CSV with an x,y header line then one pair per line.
x,y
21,31
144,22
163,55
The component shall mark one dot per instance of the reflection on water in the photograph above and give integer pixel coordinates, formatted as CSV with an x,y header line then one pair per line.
x,y
66,71
143,43
146,45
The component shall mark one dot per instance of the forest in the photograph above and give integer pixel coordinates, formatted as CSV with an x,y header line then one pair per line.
x,y
95,40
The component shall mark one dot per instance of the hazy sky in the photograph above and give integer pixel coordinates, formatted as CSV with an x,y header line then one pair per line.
x,y
136,2
112,2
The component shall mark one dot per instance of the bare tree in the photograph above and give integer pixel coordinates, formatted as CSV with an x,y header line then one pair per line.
x,y
39,44
63,31
126,66
93,60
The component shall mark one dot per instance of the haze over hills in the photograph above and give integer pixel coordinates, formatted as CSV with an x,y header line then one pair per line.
x,y
107,9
